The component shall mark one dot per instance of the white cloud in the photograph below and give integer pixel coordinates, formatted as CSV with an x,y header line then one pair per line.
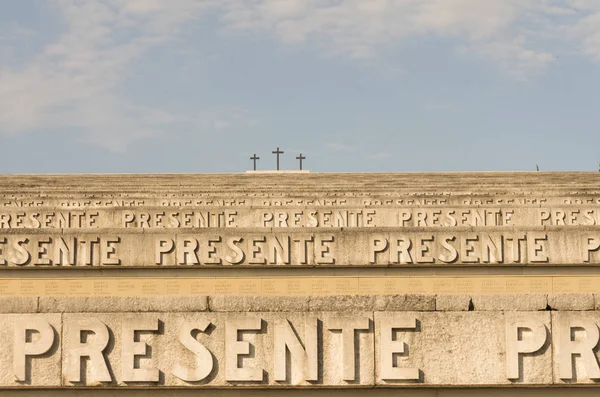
x,y
76,82
379,156
339,147
11,32
520,37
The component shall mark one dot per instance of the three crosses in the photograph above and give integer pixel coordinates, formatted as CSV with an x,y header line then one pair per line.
x,y
277,152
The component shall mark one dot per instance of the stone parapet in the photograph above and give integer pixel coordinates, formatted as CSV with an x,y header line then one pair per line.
x,y
428,284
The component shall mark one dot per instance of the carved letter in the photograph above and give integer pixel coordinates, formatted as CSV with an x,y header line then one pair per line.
x,y
569,344
452,254
20,247
348,326
3,260
92,349
163,247
305,358
378,244
232,243
109,250
536,247
36,347
517,343
389,346
204,360
323,250
128,218
132,348
235,348
187,248
591,244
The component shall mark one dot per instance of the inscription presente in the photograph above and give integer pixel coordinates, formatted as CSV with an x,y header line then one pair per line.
x,y
234,246
198,349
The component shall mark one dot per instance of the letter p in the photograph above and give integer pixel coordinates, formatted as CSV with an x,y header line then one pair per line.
x,y
591,244
377,244
39,344
518,343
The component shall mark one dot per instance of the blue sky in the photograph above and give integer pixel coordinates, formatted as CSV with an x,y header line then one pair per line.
x,y
355,85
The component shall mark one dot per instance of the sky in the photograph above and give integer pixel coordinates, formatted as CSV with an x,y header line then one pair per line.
x,y
155,86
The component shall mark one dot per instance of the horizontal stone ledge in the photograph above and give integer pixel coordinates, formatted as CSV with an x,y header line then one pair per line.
x,y
300,304
352,303
112,304
250,230
258,303
340,303
399,302
543,391
321,202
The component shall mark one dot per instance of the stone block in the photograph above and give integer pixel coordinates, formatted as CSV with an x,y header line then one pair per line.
x,y
457,348
452,303
111,304
571,301
343,303
224,303
524,302
18,304
407,302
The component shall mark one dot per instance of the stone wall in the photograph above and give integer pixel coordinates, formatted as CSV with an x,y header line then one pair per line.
x,y
300,284
342,341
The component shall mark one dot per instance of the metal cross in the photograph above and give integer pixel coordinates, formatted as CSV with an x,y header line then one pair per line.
x,y
301,157
278,152
254,158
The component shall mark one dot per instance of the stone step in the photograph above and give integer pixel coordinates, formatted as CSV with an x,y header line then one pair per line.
x,y
452,182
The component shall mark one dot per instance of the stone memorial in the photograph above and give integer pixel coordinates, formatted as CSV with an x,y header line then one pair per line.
x,y
300,284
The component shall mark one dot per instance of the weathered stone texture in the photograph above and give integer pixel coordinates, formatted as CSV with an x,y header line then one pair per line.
x,y
408,302
122,304
510,302
372,302
344,303
571,301
18,304
452,303
225,303
463,348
